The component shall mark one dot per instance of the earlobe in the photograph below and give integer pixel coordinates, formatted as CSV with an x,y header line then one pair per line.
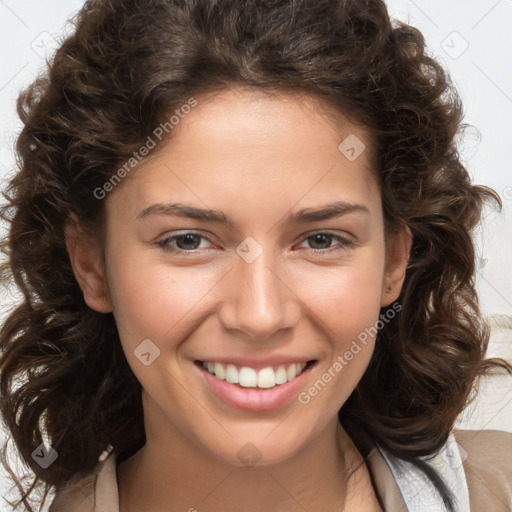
x,y
86,260
397,257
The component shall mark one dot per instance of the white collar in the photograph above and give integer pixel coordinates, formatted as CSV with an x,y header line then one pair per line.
x,y
419,492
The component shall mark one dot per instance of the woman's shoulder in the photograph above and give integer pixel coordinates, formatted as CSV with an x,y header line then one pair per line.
x,y
486,457
91,492
475,465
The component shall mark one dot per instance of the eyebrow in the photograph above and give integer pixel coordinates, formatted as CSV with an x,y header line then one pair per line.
x,y
303,216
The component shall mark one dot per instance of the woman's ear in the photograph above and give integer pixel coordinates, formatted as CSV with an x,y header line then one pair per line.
x,y
398,250
87,262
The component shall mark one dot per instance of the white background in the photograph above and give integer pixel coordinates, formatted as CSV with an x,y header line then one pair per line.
x,y
471,38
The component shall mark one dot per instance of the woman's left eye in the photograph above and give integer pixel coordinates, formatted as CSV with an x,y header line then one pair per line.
x,y
189,242
324,238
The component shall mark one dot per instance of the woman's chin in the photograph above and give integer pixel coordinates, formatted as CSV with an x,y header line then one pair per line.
x,y
255,451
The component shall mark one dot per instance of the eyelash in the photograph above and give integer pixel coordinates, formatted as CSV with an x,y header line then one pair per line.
x,y
346,243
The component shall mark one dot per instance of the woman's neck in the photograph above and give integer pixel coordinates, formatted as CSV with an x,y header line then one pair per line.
x,y
331,475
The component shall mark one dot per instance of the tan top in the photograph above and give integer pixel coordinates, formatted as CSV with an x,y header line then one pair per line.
x,y
486,457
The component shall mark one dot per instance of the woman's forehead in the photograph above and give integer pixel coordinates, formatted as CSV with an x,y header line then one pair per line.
x,y
247,146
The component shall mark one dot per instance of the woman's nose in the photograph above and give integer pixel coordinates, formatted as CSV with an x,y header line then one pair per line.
x,y
256,297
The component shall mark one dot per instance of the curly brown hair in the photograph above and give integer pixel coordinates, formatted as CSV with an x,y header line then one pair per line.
x,y
127,64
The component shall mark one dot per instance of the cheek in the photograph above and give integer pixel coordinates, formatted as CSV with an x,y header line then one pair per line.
x,y
348,304
155,301
347,299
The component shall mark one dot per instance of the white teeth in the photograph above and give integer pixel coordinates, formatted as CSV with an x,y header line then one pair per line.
x,y
266,378
247,377
231,374
281,376
219,371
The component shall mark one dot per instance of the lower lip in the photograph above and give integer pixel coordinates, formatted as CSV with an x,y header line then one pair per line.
x,y
255,399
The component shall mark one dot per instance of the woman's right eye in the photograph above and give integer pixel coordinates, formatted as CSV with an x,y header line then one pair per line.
x,y
185,243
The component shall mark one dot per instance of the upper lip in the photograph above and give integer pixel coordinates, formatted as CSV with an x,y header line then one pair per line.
x,y
257,363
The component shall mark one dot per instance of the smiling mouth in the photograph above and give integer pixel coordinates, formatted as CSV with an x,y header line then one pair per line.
x,y
247,377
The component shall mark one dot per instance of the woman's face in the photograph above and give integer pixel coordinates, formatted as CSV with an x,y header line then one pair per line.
x,y
250,286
